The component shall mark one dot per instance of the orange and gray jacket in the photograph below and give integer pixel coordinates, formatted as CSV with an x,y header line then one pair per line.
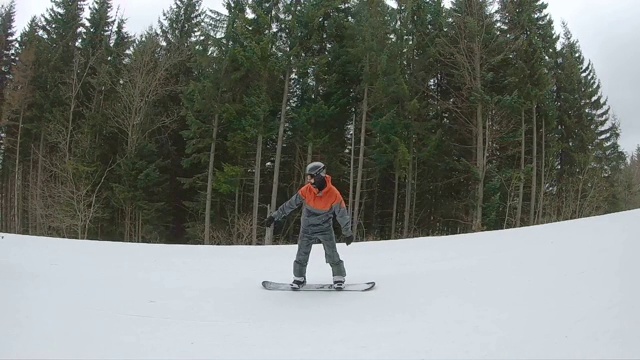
x,y
318,209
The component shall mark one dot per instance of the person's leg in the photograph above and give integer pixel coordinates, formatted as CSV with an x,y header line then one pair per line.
x,y
305,244
332,257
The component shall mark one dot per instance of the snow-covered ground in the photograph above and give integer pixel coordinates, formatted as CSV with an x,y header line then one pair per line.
x,y
564,290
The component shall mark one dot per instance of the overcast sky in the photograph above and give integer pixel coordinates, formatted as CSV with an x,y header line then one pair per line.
x,y
606,29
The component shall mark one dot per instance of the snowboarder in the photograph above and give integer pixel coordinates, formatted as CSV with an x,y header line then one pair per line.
x,y
321,201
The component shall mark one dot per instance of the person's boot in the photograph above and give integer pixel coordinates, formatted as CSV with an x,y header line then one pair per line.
x,y
338,282
298,282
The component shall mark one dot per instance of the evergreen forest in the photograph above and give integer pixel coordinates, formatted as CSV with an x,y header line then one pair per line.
x,y
433,118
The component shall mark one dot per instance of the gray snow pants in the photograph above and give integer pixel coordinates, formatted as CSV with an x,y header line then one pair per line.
x,y
305,244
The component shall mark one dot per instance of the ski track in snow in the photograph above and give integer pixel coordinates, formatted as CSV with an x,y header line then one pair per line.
x,y
563,290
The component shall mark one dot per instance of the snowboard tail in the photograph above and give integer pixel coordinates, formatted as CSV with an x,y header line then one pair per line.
x,y
271,285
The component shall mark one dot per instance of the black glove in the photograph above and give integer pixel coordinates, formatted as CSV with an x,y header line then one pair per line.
x,y
348,239
269,221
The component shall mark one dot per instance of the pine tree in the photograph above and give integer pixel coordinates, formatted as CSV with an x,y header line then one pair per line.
x,y
629,186
420,27
10,131
179,31
8,57
587,136
471,51
528,76
138,181
371,31
206,100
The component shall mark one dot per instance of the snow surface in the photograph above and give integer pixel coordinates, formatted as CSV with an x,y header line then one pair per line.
x,y
563,290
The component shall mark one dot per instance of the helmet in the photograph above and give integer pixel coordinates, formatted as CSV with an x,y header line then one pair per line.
x,y
317,171
316,168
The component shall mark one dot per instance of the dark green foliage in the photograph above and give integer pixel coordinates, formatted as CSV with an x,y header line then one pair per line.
x,y
8,56
109,136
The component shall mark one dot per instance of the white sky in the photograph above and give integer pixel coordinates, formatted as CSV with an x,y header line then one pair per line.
x,y
606,30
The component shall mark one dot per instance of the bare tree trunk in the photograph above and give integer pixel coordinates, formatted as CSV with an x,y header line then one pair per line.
x,y
395,201
374,211
276,168
17,180
11,214
127,223
3,199
6,220
268,230
39,204
236,212
256,188
139,226
69,130
542,179
75,88
534,164
21,209
5,207
2,193
32,192
477,223
353,142
509,197
212,154
407,198
363,129
414,170
521,190
480,155
90,209
80,231
134,226
581,181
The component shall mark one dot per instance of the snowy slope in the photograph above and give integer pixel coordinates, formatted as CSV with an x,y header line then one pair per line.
x,y
564,290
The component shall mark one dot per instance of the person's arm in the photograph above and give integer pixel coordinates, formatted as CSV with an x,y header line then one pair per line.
x,y
290,205
342,216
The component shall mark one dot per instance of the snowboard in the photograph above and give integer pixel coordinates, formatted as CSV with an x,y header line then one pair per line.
x,y
271,285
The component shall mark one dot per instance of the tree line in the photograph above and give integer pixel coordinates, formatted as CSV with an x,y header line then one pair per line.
x,y
431,119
